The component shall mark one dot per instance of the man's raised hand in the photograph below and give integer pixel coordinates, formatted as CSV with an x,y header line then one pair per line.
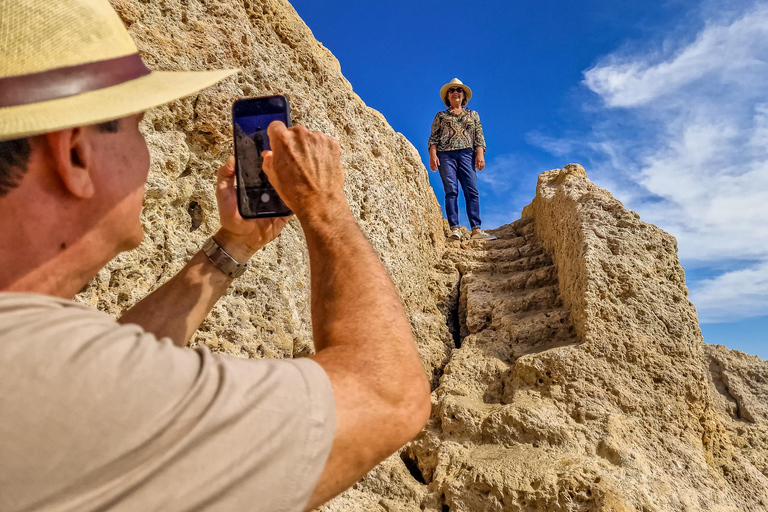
x,y
241,237
305,169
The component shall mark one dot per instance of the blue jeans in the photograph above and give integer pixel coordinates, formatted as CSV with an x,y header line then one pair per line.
x,y
458,166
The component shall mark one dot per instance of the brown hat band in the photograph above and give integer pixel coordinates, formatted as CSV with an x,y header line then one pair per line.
x,y
60,83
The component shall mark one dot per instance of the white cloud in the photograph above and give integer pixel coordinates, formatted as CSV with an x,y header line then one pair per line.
x,y
556,146
759,138
683,140
722,53
745,292
509,182
499,173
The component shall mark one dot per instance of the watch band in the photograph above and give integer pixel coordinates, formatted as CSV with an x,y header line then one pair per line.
x,y
222,260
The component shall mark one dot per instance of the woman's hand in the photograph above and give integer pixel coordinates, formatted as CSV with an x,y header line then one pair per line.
x,y
434,162
480,159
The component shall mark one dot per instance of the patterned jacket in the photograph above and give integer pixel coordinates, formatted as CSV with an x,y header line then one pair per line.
x,y
457,131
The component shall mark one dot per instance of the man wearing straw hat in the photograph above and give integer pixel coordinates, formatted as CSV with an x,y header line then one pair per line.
x,y
99,414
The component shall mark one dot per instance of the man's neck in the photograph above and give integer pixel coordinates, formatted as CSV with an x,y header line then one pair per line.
x,y
60,273
42,254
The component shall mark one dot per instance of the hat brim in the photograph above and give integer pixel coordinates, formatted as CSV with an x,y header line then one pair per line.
x,y
152,90
444,90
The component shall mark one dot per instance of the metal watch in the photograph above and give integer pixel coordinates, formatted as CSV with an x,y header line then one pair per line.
x,y
222,260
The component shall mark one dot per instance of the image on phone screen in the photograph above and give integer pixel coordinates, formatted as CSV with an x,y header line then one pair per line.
x,y
256,196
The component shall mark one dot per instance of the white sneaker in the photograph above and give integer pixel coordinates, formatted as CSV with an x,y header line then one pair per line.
x,y
483,235
455,234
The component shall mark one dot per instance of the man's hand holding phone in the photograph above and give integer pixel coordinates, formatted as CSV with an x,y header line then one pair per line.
x,y
305,169
240,237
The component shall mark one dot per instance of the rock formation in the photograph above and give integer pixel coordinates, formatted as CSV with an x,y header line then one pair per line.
x,y
580,380
568,368
739,386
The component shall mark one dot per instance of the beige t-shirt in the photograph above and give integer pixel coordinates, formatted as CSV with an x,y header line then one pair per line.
x,y
95,415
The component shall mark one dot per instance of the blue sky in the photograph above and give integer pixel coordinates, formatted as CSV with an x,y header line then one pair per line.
x,y
664,103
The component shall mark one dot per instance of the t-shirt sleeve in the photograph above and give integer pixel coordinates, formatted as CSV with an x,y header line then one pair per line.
x,y
104,415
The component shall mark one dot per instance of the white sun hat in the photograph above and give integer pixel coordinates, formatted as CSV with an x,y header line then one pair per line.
x,y
66,63
454,83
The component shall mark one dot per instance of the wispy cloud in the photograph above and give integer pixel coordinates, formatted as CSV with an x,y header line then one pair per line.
x,y
683,137
721,53
745,291
555,145
499,173
508,181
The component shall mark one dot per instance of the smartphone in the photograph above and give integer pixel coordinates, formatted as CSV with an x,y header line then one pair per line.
x,y
256,197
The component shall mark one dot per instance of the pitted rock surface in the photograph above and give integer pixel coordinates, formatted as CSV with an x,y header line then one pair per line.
x,y
739,385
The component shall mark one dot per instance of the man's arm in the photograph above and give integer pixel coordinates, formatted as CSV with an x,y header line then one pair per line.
x,y
178,307
361,334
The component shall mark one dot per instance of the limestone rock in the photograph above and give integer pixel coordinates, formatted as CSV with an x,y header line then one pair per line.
x,y
739,386
580,381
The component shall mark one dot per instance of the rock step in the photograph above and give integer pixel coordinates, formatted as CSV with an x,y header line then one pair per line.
x,y
480,309
533,334
503,243
506,267
531,327
524,249
510,282
531,478
468,398
521,227
535,326
511,254
490,409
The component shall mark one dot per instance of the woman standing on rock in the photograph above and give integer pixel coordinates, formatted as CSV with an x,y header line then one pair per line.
x,y
456,148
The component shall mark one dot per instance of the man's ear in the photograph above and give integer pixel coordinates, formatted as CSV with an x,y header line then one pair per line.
x,y
72,155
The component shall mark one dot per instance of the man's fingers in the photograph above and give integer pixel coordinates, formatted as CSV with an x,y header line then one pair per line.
x,y
267,162
226,175
275,128
280,222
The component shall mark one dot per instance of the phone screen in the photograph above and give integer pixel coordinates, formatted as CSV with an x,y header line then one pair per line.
x,y
255,195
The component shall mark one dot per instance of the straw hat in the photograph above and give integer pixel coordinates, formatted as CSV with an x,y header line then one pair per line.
x,y
453,83
66,63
